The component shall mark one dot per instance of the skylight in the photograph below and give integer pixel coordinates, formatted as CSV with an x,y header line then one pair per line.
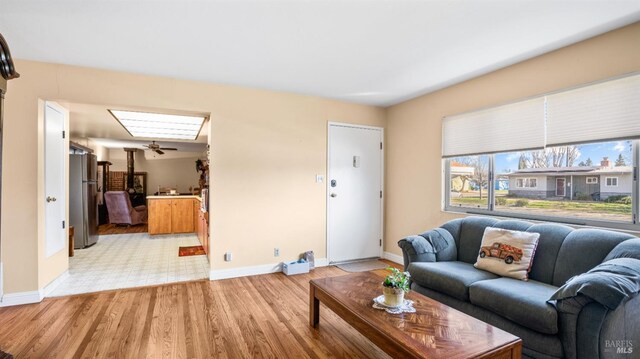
x,y
159,125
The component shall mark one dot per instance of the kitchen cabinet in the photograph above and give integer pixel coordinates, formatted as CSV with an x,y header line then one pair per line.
x,y
159,212
196,216
170,215
201,225
182,216
203,231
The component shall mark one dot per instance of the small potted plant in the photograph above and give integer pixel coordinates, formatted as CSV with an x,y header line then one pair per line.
x,y
394,287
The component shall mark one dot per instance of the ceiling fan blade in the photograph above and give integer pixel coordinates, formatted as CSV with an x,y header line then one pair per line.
x,y
168,148
159,152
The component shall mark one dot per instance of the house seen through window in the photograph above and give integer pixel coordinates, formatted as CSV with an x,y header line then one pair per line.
x,y
469,176
592,181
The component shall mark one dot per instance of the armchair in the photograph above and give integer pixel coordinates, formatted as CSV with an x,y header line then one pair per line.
x,y
121,211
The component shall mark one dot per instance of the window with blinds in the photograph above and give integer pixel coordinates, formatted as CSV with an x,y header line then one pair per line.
x,y
570,156
605,111
516,126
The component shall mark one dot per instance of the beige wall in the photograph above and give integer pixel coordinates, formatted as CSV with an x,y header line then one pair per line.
x,y
266,148
165,170
414,177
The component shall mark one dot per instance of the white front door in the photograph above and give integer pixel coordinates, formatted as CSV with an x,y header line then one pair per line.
x,y
354,192
54,175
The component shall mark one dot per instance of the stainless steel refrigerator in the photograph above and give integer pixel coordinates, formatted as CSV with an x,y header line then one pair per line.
x,y
83,199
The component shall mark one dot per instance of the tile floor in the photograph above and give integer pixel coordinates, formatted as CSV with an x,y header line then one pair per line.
x,y
132,260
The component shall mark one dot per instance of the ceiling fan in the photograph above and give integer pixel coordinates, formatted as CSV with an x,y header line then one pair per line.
x,y
153,146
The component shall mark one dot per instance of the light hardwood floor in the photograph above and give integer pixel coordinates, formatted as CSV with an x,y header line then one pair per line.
x,y
249,317
105,229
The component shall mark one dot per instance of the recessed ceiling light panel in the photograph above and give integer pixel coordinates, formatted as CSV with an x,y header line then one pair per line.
x,y
159,125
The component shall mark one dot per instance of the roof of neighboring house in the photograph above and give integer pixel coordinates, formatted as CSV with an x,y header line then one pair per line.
x,y
458,168
572,171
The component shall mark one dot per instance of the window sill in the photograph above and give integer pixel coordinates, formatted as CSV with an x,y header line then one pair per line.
x,y
630,228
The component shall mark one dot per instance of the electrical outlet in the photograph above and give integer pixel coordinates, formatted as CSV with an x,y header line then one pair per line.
x,y
319,178
276,252
227,257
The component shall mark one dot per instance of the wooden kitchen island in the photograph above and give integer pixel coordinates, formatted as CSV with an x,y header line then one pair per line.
x,y
178,214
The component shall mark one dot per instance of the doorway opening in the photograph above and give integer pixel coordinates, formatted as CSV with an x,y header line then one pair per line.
x,y
138,197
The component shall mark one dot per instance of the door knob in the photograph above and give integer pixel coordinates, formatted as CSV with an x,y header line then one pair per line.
x,y
51,199
334,195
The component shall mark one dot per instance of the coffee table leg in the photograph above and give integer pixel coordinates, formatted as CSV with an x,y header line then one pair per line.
x,y
314,307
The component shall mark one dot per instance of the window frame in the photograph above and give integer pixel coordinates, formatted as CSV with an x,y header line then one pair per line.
x,y
525,181
632,225
606,181
593,178
461,208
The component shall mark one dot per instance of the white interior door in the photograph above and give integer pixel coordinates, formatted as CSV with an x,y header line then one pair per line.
x,y
354,190
54,174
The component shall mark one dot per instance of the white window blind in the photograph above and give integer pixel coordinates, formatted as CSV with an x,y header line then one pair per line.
x,y
605,111
512,127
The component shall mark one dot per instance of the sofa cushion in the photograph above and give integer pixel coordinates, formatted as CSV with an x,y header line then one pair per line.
x,y
627,249
522,302
584,249
513,225
451,278
471,231
610,283
551,237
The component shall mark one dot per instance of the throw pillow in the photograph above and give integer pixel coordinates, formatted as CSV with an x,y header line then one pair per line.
x,y
507,253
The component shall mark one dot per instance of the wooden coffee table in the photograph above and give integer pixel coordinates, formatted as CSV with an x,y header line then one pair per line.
x,y
434,331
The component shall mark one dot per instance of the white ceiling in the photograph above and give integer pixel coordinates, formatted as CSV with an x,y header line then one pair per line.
x,y
374,52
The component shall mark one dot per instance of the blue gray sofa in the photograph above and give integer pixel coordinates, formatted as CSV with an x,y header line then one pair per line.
x,y
594,314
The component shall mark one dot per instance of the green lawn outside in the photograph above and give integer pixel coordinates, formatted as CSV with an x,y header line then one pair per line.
x,y
574,206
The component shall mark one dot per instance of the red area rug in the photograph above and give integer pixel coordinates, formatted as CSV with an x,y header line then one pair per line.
x,y
191,251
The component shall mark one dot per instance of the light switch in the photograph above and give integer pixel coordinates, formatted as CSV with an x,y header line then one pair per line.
x,y
319,178
356,161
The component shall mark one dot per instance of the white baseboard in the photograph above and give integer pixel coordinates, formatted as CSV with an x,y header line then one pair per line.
x,y
54,284
321,262
11,299
34,296
216,274
394,258
244,271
